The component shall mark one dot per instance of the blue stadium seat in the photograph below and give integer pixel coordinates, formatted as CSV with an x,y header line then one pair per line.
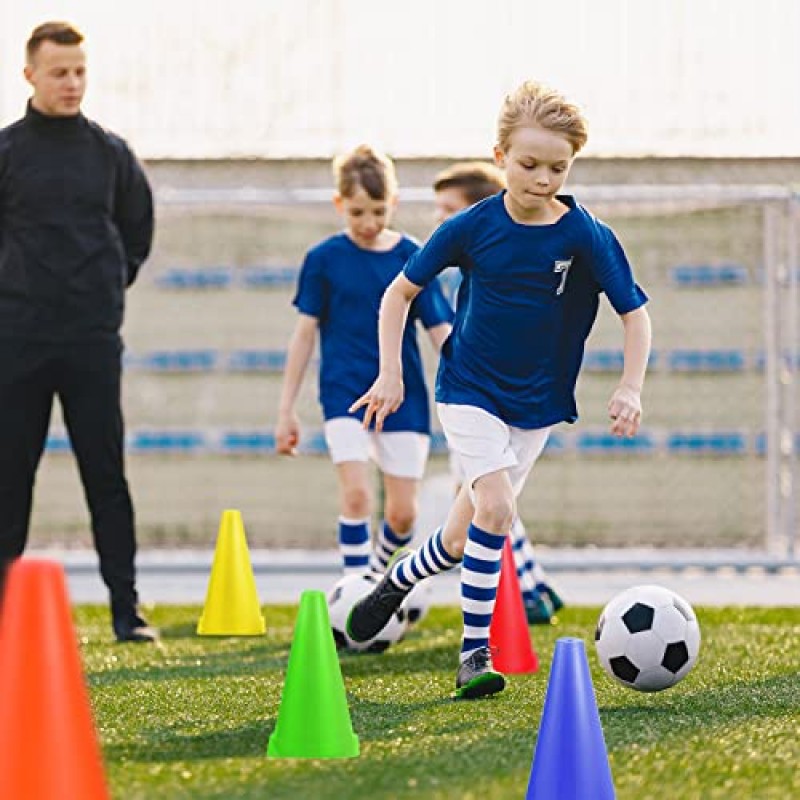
x,y
167,442
556,443
269,277
244,442
603,360
760,360
178,361
611,360
722,443
703,275
438,443
256,361
314,444
760,445
58,443
604,442
707,360
202,278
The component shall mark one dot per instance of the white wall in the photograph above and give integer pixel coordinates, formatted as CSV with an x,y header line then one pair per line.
x,y
295,78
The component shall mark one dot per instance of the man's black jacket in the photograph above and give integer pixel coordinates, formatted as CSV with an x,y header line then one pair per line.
x,y
76,223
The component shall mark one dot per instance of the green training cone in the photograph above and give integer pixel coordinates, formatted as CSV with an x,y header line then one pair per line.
x,y
314,718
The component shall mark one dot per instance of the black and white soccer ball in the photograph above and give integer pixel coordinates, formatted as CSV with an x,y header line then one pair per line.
x,y
647,638
344,594
417,604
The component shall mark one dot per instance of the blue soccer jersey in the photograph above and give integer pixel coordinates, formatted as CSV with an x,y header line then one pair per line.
x,y
527,304
341,284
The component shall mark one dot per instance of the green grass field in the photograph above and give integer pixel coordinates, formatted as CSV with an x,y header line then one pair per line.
x,y
191,718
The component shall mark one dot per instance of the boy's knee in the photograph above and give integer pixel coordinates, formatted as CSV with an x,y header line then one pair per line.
x,y
455,547
401,520
496,510
356,502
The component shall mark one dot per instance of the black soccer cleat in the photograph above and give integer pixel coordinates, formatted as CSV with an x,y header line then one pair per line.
x,y
131,627
371,614
538,610
476,677
555,600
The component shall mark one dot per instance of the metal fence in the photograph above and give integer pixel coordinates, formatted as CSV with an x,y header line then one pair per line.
x,y
714,466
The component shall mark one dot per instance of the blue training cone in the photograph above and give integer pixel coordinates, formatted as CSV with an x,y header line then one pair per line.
x,y
570,762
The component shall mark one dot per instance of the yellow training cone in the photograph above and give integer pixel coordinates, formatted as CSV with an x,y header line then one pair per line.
x,y
232,607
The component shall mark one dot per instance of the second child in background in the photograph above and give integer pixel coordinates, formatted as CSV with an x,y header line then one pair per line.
x,y
338,298
459,186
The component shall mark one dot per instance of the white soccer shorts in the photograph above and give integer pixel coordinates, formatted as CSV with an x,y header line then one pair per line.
x,y
484,444
402,454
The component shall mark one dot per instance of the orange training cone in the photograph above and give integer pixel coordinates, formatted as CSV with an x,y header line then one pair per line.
x,y
48,744
232,607
509,629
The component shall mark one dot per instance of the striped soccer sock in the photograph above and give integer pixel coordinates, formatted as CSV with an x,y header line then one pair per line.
x,y
354,545
387,545
524,561
480,574
430,559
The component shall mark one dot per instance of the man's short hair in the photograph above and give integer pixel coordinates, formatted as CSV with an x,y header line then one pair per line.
x,y
57,32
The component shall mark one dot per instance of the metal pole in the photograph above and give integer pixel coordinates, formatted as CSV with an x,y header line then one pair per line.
x,y
771,357
792,371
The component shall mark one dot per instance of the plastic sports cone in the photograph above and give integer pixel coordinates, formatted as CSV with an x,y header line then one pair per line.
x,y
48,744
232,607
509,629
314,718
570,762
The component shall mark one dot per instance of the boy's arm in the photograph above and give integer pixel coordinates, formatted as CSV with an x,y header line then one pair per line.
x,y
386,395
625,406
300,350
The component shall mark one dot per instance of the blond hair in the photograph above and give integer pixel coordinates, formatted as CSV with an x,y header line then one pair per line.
x,y
474,179
366,168
533,103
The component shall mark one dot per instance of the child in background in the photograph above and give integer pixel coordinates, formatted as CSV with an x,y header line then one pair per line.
x,y
338,296
456,188
534,262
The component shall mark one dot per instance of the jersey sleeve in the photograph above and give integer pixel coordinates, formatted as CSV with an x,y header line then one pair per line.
x,y
611,269
430,306
443,249
312,293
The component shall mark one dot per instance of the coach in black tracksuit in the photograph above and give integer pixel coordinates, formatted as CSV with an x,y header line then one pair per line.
x,y
76,223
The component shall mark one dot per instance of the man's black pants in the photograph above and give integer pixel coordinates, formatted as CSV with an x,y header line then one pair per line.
x,y
86,379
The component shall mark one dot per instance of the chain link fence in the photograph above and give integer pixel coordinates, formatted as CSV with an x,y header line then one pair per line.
x,y
714,466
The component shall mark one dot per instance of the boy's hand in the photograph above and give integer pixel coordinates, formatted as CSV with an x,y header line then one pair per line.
x,y
384,397
625,410
287,434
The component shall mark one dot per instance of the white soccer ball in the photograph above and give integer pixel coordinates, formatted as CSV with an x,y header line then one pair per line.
x,y
344,594
416,606
647,638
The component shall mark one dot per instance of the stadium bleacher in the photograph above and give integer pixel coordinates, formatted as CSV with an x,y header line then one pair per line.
x,y
252,442
692,276
274,360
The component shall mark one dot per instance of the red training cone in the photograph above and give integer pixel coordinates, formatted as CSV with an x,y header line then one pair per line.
x,y
509,629
48,744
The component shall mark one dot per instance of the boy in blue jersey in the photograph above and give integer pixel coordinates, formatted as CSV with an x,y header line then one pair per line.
x,y
459,186
338,296
534,263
